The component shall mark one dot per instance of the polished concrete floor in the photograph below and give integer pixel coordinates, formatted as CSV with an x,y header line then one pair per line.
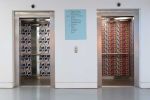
x,y
47,93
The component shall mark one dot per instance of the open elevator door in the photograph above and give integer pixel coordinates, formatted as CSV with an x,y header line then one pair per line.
x,y
118,35
34,51
34,48
117,51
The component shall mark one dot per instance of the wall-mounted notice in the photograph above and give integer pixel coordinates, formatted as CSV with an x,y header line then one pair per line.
x,y
75,24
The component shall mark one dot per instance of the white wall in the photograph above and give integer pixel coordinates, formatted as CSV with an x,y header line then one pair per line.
x,y
72,70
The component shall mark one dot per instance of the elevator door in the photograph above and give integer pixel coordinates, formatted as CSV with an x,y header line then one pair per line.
x,y
34,51
117,50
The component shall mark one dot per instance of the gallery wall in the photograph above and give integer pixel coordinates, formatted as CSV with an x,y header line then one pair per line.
x,y
72,70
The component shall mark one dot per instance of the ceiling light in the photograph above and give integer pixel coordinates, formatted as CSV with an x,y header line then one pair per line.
x,y
122,18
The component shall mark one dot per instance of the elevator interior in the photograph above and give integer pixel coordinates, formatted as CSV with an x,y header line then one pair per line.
x,y
117,50
34,51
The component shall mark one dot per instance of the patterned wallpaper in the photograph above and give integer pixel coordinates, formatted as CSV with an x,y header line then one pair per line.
x,y
26,49
115,47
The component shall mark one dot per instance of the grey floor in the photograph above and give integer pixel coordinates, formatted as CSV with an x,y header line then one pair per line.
x,y
47,93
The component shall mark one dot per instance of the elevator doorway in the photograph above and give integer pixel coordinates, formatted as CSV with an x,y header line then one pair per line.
x,y
117,47
34,48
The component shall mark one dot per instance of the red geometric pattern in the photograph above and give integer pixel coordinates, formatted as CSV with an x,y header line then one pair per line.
x,y
115,47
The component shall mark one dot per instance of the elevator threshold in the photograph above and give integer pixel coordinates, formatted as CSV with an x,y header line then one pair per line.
x,y
118,82
48,86
35,81
116,86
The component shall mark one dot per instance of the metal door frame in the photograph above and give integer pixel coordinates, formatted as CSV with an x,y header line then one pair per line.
x,y
118,12
32,14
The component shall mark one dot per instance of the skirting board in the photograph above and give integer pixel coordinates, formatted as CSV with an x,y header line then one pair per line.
x,y
6,84
144,84
75,85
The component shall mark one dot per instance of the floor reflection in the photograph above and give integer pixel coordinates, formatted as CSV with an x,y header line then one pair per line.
x,y
47,93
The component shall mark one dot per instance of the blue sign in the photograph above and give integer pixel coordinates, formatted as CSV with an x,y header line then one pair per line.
x,y
75,24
